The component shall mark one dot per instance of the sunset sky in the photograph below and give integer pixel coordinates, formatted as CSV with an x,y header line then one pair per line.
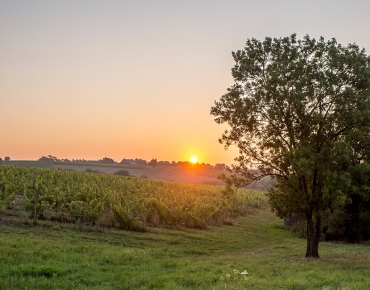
x,y
137,79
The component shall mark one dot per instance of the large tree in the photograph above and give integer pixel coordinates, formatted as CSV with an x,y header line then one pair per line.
x,y
296,111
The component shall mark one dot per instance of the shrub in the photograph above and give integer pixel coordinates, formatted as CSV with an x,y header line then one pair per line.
x,y
122,172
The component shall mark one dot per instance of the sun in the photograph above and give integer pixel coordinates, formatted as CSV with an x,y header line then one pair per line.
x,y
193,159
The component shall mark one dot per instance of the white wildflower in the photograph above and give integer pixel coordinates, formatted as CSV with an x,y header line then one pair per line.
x,y
244,272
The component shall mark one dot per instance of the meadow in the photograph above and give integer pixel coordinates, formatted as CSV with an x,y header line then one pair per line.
x,y
71,256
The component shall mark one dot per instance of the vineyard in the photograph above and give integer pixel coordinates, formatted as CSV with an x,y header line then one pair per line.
x,y
115,201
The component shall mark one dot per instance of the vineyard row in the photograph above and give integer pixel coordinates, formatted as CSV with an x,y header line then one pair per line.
x,y
116,201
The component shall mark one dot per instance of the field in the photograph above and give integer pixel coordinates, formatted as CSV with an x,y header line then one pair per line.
x,y
186,236
189,174
116,201
168,173
70,256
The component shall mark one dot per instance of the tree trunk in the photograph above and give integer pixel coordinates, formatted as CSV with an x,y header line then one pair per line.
x,y
313,236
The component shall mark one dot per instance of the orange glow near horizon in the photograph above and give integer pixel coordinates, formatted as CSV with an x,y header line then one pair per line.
x,y
129,79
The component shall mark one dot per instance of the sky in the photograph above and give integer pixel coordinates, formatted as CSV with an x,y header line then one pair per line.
x,y
137,79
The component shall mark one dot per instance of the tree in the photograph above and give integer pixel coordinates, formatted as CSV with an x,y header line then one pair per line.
x,y
351,221
107,160
7,158
295,111
49,158
153,162
140,161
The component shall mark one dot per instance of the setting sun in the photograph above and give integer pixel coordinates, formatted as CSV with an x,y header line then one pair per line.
x,y
193,159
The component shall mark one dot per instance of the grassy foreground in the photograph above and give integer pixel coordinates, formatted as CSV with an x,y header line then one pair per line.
x,y
58,256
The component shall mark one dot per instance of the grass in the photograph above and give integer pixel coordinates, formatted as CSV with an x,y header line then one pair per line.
x,y
70,256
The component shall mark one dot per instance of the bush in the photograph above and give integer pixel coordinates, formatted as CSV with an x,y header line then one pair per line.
x,y
299,229
350,224
89,170
122,172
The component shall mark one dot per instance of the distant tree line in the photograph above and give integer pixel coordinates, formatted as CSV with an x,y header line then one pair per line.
x,y
7,158
107,160
137,161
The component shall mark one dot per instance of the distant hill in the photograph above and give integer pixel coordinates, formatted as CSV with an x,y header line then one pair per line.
x,y
190,173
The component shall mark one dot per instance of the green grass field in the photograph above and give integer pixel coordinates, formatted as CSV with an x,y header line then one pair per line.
x,y
72,256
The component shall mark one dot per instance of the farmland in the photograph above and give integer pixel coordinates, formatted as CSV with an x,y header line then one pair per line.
x,y
188,174
186,236
193,174
123,202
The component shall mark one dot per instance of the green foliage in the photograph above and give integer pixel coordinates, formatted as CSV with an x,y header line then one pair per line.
x,y
349,220
107,160
28,163
153,162
350,223
300,229
86,211
4,199
122,172
125,202
299,111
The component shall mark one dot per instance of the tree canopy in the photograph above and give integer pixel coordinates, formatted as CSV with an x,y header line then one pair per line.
x,y
153,162
299,111
107,160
